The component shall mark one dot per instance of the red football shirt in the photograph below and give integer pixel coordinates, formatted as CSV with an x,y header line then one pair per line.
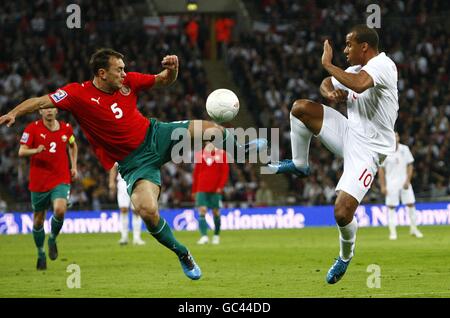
x,y
210,171
50,167
111,122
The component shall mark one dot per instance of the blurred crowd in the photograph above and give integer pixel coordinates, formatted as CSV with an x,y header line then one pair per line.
x,y
39,54
280,61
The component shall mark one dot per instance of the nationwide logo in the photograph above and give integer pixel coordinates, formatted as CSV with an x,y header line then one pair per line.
x,y
125,90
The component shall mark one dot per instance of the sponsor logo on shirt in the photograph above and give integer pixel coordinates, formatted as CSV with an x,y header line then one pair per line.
x,y
25,137
43,136
59,95
125,90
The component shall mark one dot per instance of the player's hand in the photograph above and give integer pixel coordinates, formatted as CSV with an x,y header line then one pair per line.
x,y
74,173
7,119
193,196
219,191
40,149
170,62
338,96
406,185
327,55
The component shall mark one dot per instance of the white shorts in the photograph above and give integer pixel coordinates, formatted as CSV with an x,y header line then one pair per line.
x,y
360,163
123,199
406,196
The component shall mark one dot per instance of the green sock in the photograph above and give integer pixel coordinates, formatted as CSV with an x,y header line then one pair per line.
x,y
164,235
216,225
39,238
203,227
57,224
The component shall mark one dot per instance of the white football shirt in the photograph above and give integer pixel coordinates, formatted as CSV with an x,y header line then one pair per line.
x,y
372,114
395,167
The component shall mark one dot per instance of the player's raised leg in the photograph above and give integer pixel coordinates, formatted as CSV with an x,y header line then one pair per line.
x,y
39,238
198,128
344,211
145,200
306,119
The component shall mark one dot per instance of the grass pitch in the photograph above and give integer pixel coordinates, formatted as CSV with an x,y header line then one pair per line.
x,y
266,263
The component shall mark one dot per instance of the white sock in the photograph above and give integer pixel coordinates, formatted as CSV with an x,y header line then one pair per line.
x,y
300,139
347,238
137,224
392,222
412,217
124,223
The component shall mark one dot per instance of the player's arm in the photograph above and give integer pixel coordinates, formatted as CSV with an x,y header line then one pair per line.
x,y
25,151
382,180
170,72
328,91
73,155
358,82
28,106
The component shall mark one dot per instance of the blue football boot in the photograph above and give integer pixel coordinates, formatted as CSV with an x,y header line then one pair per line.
x,y
190,268
288,166
337,270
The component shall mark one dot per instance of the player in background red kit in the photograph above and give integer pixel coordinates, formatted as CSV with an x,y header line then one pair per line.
x,y
45,141
106,109
209,178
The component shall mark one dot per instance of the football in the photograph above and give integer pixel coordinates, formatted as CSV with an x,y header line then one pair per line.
x,y
222,105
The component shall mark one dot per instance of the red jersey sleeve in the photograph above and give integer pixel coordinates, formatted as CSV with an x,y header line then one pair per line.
x,y
138,81
28,135
64,97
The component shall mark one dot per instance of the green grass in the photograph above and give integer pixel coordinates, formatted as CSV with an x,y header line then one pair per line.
x,y
267,263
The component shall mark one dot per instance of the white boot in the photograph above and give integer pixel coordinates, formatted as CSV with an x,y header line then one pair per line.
x,y
203,240
216,239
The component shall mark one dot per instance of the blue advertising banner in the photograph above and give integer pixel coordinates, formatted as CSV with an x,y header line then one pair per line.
x,y
281,217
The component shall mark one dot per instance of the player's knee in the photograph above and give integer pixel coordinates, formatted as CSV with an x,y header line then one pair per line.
x,y
343,213
59,211
147,211
300,108
38,222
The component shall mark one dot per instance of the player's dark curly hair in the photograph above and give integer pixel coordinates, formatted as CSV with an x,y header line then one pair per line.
x,y
100,59
365,34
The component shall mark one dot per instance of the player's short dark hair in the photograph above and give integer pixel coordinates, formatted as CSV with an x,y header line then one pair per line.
x,y
365,34
100,59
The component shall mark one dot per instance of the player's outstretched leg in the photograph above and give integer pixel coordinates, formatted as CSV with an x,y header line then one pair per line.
x,y
197,129
344,211
39,238
306,119
57,221
144,198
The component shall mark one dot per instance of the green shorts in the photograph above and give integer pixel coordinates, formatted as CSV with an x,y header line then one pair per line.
x,y
42,201
145,161
210,200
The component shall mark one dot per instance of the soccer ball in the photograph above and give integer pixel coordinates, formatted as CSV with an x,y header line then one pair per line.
x,y
222,105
